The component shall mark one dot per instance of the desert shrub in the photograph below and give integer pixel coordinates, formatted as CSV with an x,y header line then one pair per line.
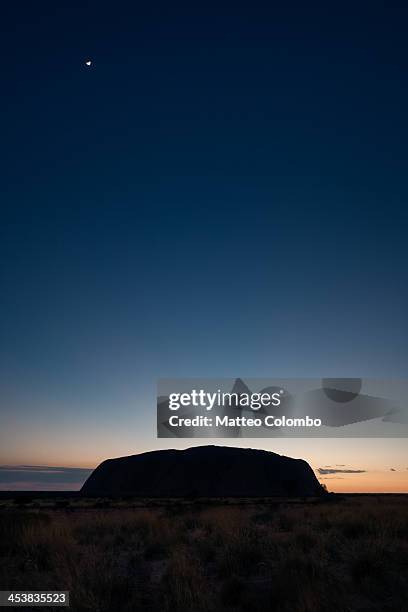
x,y
301,583
14,524
45,546
242,551
184,586
101,586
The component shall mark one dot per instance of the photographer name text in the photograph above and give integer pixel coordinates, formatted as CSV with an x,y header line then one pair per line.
x,y
243,421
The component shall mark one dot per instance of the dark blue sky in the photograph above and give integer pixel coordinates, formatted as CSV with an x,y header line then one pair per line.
x,y
222,193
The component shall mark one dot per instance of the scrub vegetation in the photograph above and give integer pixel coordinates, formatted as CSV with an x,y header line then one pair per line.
x,y
342,554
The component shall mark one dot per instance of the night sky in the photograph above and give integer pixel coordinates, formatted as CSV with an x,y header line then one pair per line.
x,y
223,192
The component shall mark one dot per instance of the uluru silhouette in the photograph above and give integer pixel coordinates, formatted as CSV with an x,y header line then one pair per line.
x,y
203,471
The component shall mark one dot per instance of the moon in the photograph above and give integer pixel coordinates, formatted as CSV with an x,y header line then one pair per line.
x,y
88,62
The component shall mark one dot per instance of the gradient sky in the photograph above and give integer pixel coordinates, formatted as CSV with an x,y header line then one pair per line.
x,y
222,193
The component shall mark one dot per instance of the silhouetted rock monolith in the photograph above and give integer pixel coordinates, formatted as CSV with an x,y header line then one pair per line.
x,y
203,471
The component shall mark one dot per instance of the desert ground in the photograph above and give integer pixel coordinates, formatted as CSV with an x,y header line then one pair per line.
x,y
343,553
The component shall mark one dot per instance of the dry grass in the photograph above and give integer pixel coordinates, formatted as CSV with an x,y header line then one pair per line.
x,y
343,556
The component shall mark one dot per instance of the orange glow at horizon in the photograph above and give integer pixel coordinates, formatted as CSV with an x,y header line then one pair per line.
x,y
383,462
376,482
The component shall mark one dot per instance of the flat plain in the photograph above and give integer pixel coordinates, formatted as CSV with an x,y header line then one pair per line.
x,y
345,553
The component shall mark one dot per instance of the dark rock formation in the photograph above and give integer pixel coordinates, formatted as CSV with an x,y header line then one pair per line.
x,y
203,471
